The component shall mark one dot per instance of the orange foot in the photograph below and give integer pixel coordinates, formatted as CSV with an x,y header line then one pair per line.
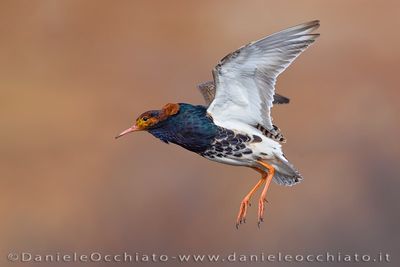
x,y
241,218
261,208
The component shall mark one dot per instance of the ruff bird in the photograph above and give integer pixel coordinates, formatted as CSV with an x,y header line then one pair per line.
x,y
235,126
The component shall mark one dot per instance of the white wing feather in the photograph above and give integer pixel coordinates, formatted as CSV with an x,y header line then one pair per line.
x,y
245,79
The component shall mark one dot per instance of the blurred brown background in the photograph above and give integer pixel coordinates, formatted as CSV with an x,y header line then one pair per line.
x,y
76,73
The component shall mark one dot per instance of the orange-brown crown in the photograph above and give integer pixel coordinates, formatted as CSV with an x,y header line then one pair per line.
x,y
150,118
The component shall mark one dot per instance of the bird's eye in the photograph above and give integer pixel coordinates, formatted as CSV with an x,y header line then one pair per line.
x,y
145,118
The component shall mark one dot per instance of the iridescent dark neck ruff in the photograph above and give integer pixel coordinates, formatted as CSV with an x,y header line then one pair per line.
x,y
190,128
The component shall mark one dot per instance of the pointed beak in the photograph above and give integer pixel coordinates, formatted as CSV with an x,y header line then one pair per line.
x,y
134,128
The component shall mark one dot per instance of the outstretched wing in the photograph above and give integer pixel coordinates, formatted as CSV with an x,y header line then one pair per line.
x,y
207,90
245,79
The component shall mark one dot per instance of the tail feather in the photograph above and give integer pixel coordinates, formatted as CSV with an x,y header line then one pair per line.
x,y
285,172
288,180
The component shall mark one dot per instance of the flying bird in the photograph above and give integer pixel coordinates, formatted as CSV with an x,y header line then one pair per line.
x,y
235,126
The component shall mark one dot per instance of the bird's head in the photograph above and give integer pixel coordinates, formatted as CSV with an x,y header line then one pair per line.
x,y
151,118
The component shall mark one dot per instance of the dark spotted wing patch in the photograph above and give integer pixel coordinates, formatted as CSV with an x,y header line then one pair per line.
x,y
228,143
274,133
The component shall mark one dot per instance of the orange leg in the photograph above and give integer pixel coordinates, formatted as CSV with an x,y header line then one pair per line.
x,y
263,197
245,202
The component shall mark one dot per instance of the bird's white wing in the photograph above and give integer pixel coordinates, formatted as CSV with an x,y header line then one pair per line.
x,y
245,79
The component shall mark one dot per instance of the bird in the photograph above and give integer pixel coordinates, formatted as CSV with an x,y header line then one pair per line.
x,y
235,126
